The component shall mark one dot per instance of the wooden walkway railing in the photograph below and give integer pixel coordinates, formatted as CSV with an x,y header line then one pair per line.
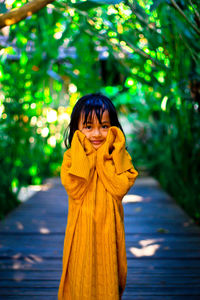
x,y
163,246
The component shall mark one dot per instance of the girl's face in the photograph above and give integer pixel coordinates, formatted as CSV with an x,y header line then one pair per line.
x,y
95,132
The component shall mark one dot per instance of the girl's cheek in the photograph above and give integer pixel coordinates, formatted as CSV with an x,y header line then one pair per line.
x,y
105,133
86,132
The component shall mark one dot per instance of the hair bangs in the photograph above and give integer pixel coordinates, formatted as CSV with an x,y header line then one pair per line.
x,y
90,108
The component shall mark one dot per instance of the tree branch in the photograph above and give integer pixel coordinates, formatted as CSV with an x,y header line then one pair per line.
x,y
16,15
188,47
134,48
195,11
175,5
134,11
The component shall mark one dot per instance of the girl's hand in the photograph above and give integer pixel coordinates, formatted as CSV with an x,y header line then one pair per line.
x,y
116,169
115,141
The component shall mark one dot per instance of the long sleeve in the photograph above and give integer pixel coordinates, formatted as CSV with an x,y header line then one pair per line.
x,y
77,166
115,169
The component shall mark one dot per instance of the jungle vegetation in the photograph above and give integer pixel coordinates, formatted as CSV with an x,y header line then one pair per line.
x,y
142,54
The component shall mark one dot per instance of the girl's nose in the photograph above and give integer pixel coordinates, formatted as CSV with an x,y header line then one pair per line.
x,y
96,132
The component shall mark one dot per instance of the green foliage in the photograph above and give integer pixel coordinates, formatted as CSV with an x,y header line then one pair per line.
x,y
167,144
26,131
143,54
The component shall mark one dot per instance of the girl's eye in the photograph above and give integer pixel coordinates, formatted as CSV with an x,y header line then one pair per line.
x,y
88,127
104,126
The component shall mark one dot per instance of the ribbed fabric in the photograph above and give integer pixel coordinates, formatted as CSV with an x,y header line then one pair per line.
x,y
94,253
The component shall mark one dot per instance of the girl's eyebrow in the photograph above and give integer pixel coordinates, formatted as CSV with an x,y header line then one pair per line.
x,y
89,122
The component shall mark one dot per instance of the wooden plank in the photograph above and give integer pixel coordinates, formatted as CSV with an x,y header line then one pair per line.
x,y
54,237
129,219
33,297
133,262
134,275
131,252
139,280
134,228
56,244
136,297
130,291
45,291
141,243
130,215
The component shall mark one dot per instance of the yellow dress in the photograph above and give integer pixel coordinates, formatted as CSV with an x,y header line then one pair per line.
x,y
94,253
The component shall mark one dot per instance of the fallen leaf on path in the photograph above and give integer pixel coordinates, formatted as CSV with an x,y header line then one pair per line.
x,y
162,230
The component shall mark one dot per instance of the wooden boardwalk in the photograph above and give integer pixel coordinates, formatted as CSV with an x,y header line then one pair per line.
x,y
163,246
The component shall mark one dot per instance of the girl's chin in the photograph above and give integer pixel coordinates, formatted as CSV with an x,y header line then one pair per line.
x,y
97,146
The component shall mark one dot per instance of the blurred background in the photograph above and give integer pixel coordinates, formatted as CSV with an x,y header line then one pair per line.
x,y
142,54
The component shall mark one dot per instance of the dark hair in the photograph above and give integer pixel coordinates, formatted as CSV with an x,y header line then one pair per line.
x,y
88,104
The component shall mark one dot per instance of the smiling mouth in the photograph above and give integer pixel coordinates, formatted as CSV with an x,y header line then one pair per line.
x,y
96,142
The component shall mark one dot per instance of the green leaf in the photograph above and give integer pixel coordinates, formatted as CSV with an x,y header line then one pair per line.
x,y
23,59
86,5
107,1
156,3
3,8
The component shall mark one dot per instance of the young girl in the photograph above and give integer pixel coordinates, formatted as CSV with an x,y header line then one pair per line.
x,y
96,172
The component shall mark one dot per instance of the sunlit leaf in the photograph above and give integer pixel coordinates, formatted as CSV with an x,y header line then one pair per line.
x,y
1,72
23,59
37,180
15,183
48,149
33,170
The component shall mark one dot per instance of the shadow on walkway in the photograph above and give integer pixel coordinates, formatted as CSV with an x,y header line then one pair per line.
x,y
162,242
